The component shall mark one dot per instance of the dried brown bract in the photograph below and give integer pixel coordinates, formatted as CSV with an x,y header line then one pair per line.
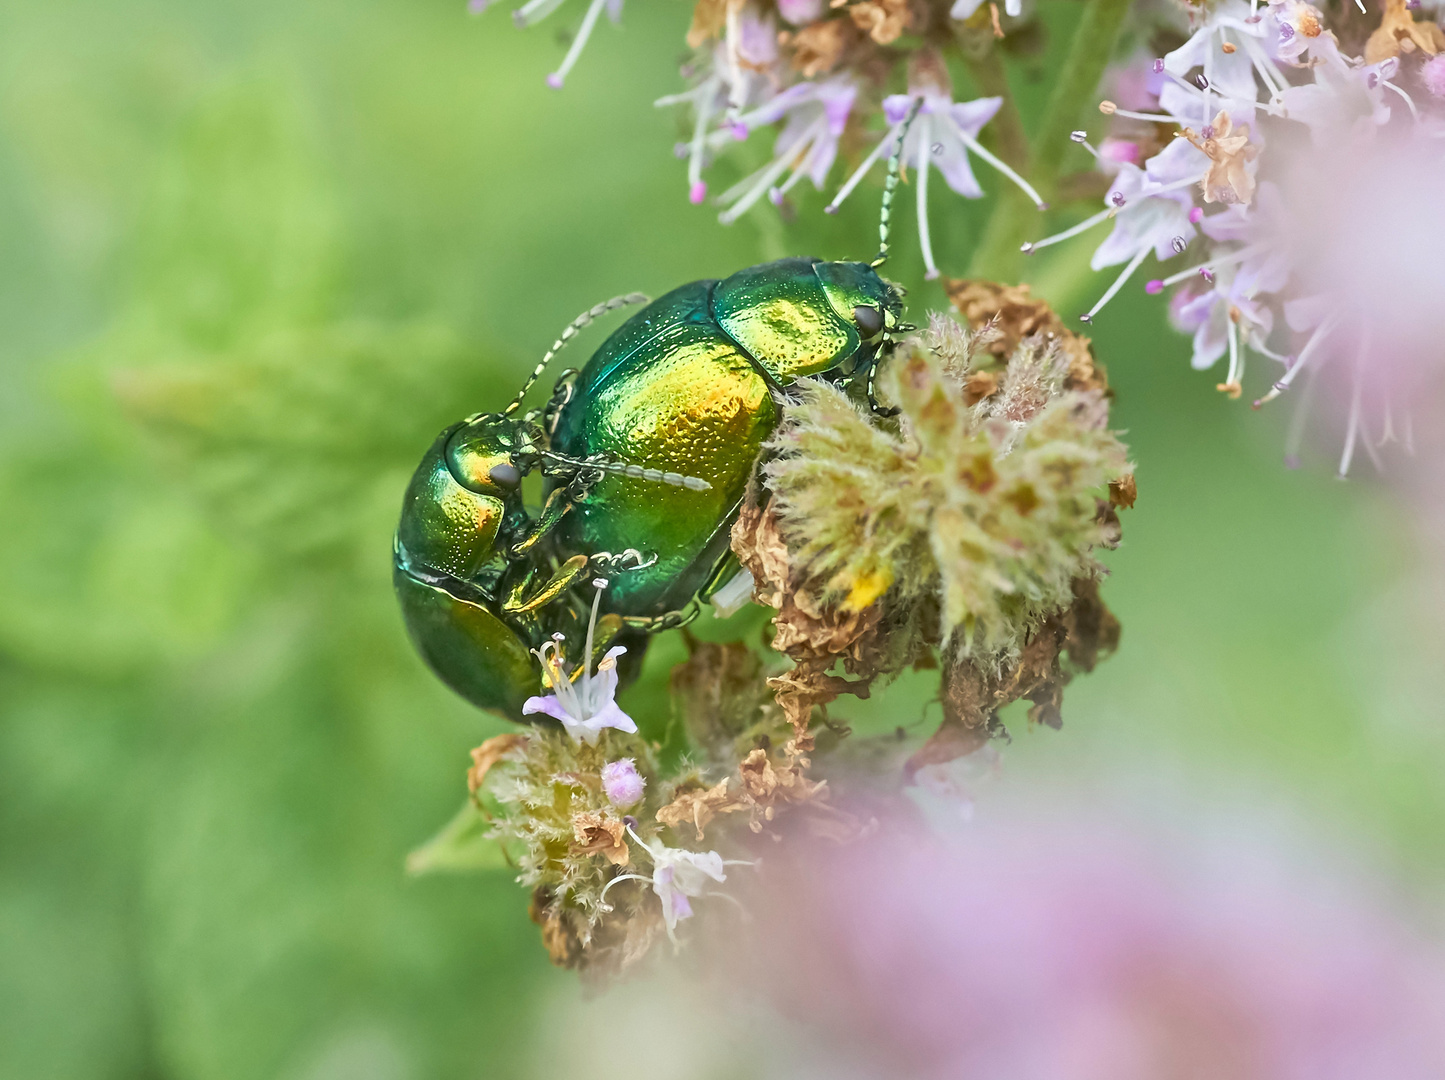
x,y
820,47
1012,315
600,833
488,754
1066,644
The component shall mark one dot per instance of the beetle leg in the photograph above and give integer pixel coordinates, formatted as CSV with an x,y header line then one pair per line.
x,y
567,575
655,624
878,410
556,506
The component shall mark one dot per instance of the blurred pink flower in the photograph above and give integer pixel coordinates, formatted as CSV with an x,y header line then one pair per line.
x,y
1077,953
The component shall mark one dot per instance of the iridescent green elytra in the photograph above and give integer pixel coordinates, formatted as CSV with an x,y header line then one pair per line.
x,y
687,384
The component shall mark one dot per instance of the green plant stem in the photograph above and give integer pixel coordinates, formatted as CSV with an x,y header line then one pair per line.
x,y
997,255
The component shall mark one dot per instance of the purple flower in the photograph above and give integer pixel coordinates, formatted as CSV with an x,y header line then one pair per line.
x,y
584,704
1074,952
942,136
677,875
621,782
815,115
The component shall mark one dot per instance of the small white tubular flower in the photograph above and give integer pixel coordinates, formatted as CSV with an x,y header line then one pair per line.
x,y
943,135
678,873
1343,99
1223,319
816,115
1295,28
1152,210
584,706
1228,49
534,11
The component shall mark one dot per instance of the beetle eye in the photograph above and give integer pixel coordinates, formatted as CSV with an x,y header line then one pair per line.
x,y
869,319
505,475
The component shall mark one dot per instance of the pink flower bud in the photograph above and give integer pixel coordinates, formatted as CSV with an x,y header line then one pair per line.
x,y
621,782
1432,74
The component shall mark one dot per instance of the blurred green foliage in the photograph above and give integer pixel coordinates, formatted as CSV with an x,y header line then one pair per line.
x,y
254,256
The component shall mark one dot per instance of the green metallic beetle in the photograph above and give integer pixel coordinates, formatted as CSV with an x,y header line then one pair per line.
x,y
647,453
477,592
692,383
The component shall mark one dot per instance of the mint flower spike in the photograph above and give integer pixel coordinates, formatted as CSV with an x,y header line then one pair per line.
x,y
584,704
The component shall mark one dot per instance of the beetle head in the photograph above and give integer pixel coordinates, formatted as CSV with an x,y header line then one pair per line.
x,y
481,455
465,488
861,297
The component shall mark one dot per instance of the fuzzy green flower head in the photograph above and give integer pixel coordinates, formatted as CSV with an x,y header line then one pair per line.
x,y
989,494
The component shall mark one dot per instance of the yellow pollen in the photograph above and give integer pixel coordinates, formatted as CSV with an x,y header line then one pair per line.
x,y
1233,389
1227,47
867,588
1108,108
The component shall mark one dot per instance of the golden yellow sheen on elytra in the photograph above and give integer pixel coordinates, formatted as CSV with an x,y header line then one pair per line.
x,y
685,385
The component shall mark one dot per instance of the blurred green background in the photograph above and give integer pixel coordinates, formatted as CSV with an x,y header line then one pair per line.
x,y
252,257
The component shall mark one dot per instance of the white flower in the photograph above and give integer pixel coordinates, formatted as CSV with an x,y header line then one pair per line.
x,y
944,132
585,706
1228,74
677,875
816,115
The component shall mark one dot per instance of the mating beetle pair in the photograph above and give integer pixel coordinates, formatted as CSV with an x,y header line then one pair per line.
x,y
646,453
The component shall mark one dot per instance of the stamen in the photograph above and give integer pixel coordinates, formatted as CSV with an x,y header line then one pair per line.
x,y
924,131
1265,65
534,11
1113,289
852,181
696,187
584,32
1227,259
1321,332
757,185
974,145
1236,361
1130,114
736,90
1408,99
1068,234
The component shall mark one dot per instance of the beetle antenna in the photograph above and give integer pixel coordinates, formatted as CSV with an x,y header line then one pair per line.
x,y
895,166
637,472
577,324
